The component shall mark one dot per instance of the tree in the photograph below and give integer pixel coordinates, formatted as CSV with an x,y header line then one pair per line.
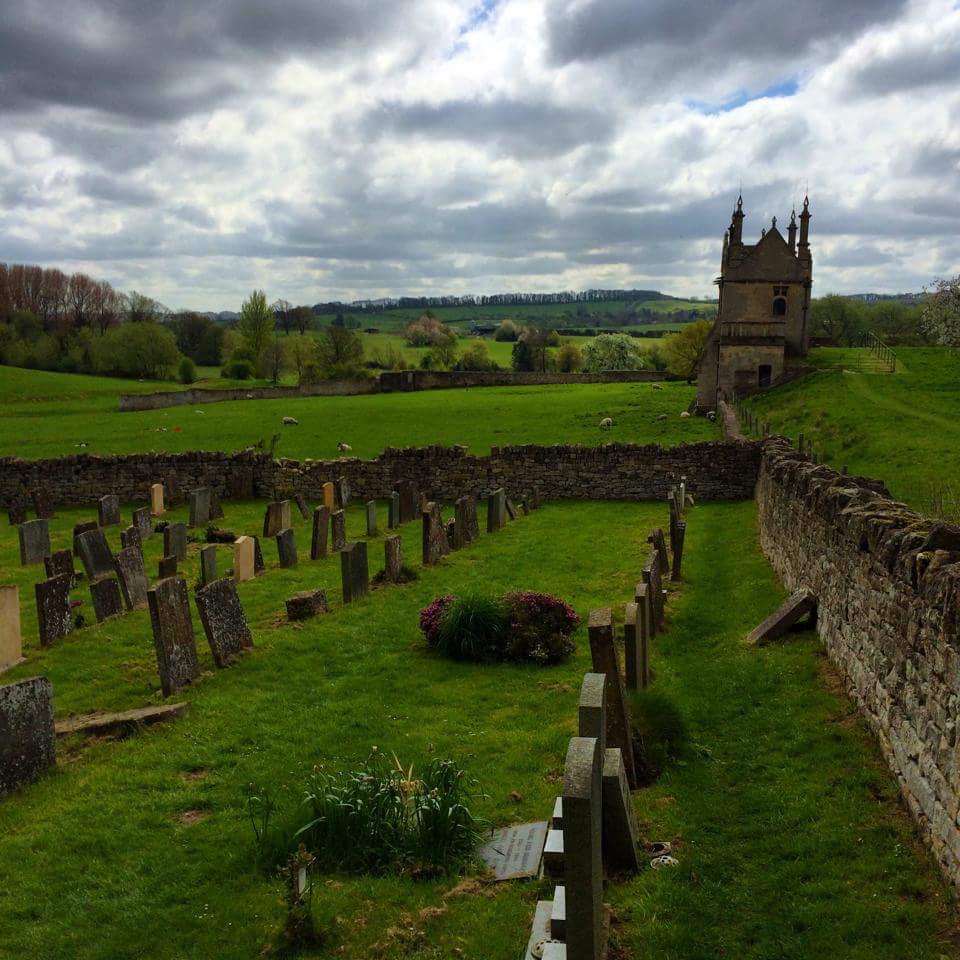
x,y
940,319
338,349
135,350
303,318
507,331
141,308
256,325
275,358
475,357
79,298
104,307
530,351
427,331
684,348
569,358
283,311
300,351
839,318
612,351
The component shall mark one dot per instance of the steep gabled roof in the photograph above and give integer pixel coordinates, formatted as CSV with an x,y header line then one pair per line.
x,y
770,258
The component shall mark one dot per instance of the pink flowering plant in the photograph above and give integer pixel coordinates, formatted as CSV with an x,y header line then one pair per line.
x,y
432,614
540,627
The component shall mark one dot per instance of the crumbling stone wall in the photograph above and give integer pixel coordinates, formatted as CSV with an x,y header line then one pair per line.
x,y
887,581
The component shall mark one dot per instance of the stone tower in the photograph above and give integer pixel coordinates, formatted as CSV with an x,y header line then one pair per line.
x,y
763,311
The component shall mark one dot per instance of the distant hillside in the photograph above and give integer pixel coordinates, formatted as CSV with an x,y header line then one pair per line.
x,y
878,297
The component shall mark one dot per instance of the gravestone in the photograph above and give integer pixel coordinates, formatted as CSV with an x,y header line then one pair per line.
x,y
141,520
133,578
286,548
603,653
496,510
171,488
26,732
306,604
321,529
105,594
156,500
644,619
60,562
800,604
409,500
34,542
17,513
53,608
659,543
585,920
371,518
652,576
223,621
450,528
341,489
619,841
166,567
301,503
634,648
514,853
175,540
208,564
108,510
11,641
95,554
678,550
276,518
354,572
434,539
393,511
329,496
173,634
79,528
130,537
393,559
216,508
243,559
200,507
258,565
592,708
338,530
468,528
42,505
511,509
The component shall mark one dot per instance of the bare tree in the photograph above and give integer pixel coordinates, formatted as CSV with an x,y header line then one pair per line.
x,y
283,311
79,298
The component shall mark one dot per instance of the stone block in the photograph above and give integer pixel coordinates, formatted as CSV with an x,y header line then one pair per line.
x,y
635,655
108,510
341,491
258,564
329,496
224,623
53,608
409,500
130,537
592,708
80,528
306,604
208,564
34,542
27,746
167,567
42,505
801,604
173,637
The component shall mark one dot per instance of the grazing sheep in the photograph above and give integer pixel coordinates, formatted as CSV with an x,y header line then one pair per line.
x,y
290,422
657,386
606,423
686,413
343,447
662,416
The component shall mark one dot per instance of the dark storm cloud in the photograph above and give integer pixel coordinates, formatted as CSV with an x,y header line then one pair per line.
x,y
909,68
524,128
675,35
115,190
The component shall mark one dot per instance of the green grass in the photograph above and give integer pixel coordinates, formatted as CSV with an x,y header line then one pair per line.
x,y
790,839
902,428
47,414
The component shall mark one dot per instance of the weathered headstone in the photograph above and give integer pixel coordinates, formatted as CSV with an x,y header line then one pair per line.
x,y
393,515
603,653
511,509
133,577
156,500
53,608
171,488
652,576
60,562
341,489
592,708
223,620
409,500
95,554
678,550
243,559
354,572
634,648
496,510
306,604
468,528
286,548
105,594
130,537
108,510
26,732
619,825
514,853
585,921
208,563
645,627
392,559
216,507
276,518
173,634
200,507
166,567
329,496
42,505
434,540
321,530
338,530
659,543
11,641
17,513
78,529
141,520
371,518
258,565
34,541
301,502
798,605
175,540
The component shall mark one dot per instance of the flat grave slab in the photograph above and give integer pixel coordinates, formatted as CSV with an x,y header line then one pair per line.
x,y
514,853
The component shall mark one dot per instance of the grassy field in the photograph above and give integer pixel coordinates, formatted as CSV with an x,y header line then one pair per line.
x,y
48,414
789,836
903,428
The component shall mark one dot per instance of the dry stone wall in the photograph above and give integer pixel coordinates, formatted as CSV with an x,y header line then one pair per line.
x,y
887,581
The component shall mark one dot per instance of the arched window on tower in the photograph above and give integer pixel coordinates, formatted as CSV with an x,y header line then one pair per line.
x,y
779,306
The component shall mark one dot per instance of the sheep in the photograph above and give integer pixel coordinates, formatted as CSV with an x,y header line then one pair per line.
x,y
686,413
343,447
290,422
606,423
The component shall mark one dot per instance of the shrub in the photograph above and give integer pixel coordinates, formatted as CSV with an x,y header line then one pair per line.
x,y
428,332
540,628
472,628
655,357
475,357
238,370
507,331
612,351
569,358
135,350
186,372
684,348
389,358
659,733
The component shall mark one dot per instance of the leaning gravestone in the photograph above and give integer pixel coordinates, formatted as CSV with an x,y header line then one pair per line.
x,y
619,826
26,732
59,562
354,572
34,542
200,507
108,508
167,567
173,634
276,517
42,505
321,528
11,641
511,509
306,604
258,565
223,621
133,578
208,564
105,594
338,530
301,503
286,548
393,559
95,554
371,518
243,559
393,511
141,520
434,540
53,608
496,510
130,537
79,528
409,500
175,540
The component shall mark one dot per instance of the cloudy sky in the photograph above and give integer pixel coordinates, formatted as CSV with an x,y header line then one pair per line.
x,y
327,149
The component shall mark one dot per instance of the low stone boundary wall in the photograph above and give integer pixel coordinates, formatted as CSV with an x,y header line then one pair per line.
x,y
715,470
395,381
887,582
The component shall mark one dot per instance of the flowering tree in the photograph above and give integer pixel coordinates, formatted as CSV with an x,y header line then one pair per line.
x,y
940,319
